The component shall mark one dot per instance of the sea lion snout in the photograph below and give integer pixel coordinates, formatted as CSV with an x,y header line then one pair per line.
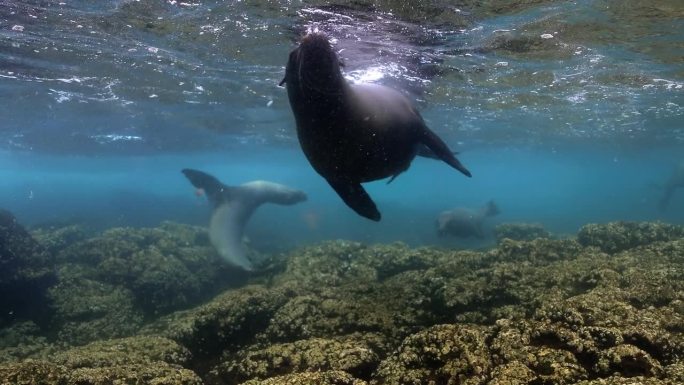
x,y
316,58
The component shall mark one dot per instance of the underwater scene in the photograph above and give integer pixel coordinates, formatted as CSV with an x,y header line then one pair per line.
x,y
366,192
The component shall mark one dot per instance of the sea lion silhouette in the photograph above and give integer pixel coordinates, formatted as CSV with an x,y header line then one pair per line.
x,y
232,208
465,223
354,133
674,182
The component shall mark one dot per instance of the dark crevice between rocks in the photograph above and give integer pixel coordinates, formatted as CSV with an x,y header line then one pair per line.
x,y
645,344
587,358
208,345
633,367
491,300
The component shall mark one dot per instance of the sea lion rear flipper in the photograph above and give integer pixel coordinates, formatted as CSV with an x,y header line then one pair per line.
x,y
211,186
225,233
354,195
425,152
437,145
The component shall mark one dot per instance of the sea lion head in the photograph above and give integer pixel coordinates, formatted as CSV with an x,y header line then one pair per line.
x,y
292,197
314,66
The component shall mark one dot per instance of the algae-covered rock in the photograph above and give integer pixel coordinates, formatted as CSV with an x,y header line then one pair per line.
x,y
166,268
139,360
352,354
544,311
56,239
520,231
33,372
619,236
87,310
230,321
443,354
310,378
46,373
124,351
26,271
22,340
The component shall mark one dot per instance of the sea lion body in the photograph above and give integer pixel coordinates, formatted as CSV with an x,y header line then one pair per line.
x,y
358,155
233,206
353,134
464,222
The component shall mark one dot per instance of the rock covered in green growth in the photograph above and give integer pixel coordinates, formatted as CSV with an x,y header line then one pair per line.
x,y
352,354
137,360
124,351
443,354
390,260
26,272
539,250
618,380
513,373
675,372
87,310
22,340
309,316
326,265
310,378
605,318
619,236
228,322
56,239
520,231
629,361
137,374
166,268
337,262
33,372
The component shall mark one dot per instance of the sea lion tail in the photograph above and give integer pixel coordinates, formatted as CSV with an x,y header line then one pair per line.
x,y
211,186
491,209
439,148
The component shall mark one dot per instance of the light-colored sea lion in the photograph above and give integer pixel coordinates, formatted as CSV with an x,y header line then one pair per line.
x,y
232,208
676,181
354,133
465,223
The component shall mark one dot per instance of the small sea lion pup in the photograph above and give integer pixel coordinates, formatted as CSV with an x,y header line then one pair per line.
x,y
465,223
354,133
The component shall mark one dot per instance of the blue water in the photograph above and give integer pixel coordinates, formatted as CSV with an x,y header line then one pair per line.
x,y
103,105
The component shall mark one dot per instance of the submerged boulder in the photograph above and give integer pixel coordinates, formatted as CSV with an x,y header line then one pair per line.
x,y
520,231
26,272
140,360
619,236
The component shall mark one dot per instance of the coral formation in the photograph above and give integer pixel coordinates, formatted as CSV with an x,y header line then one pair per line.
x,y
605,308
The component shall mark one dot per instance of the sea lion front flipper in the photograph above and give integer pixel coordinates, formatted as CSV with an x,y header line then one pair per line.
x,y
354,195
437,145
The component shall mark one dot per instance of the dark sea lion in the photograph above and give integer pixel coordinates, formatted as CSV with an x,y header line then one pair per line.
x,y
465,223
233,206
354,133
676,181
